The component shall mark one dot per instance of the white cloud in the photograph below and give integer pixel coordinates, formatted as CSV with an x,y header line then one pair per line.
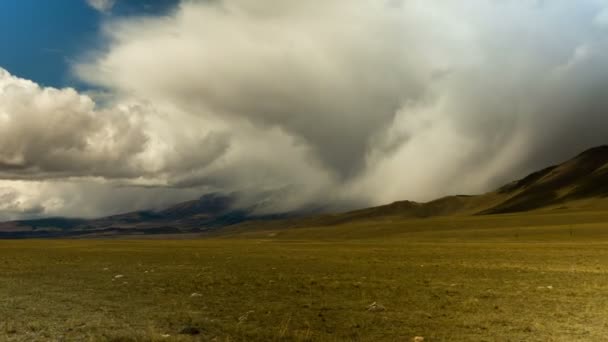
x,y
47,132
340,77
51,138
370,101
13,202
102,5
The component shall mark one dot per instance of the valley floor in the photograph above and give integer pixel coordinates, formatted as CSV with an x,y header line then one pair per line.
x,y
489,280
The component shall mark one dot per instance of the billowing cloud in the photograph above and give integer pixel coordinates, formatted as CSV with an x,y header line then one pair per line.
x,y
101,5
46,132
82,198
321,101
12,204
63,154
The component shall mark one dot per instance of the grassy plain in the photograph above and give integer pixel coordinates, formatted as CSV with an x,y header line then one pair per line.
x,y
525,277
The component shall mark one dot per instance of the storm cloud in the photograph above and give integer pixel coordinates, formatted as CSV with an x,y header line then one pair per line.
x,y
319,101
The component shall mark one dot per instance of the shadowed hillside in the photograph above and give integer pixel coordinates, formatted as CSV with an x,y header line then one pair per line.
x,y
583,177
581,182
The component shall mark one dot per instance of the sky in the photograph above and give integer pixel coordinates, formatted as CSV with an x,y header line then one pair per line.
x,y
45,36
111,106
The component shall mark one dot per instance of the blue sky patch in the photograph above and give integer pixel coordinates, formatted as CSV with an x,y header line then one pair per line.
x,y
41,39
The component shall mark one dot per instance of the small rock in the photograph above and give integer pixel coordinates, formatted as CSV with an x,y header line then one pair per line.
x,y
165,335
118,276
418,339
189,330
375,307
550,287
196,294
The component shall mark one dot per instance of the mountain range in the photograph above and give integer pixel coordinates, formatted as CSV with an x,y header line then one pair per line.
x,y
579,183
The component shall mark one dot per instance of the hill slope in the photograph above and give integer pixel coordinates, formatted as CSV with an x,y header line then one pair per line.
x,y
581,182
584,177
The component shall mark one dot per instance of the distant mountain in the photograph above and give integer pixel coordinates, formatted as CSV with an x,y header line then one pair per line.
x,y
211,211
579,183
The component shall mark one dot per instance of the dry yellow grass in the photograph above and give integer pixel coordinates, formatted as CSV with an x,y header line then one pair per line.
x,y
534,277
